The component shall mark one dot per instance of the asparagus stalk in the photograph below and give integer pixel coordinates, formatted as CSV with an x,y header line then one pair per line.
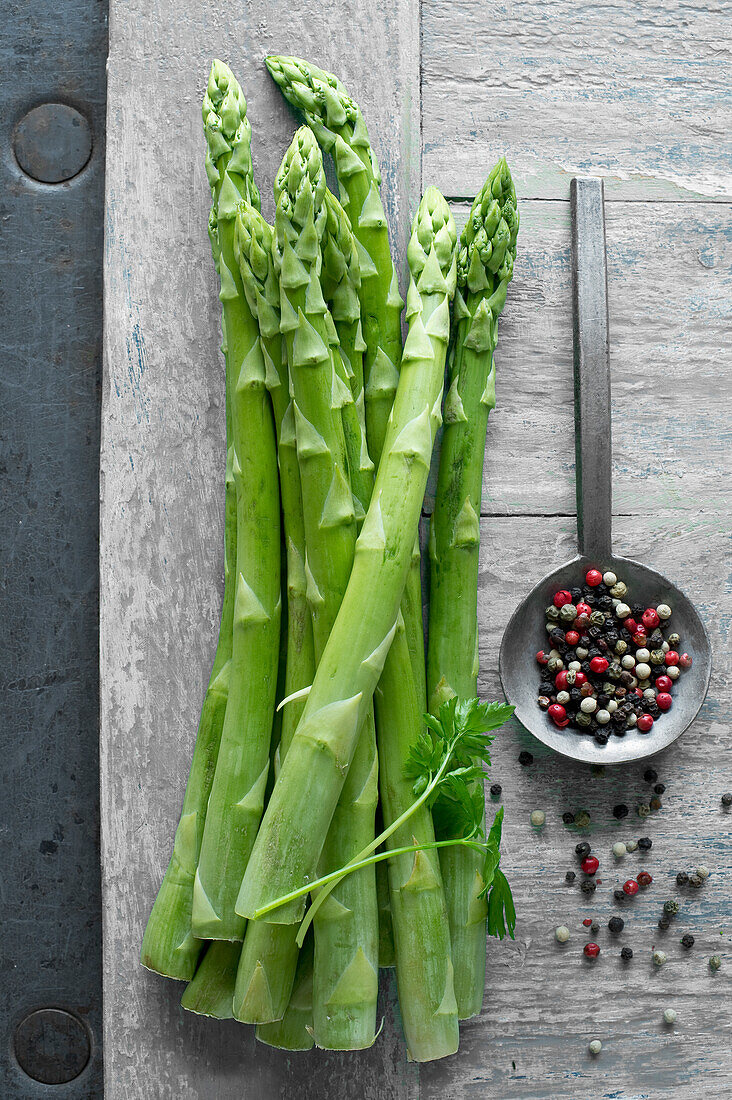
x,y
295,1030
345,983
339,126
296,821
237,794
168,946
485,267
211,991
266,968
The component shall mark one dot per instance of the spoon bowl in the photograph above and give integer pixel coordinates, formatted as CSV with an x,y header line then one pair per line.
x,y
525,635
526,632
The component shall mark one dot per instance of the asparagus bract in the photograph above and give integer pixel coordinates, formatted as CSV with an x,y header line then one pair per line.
x,y
485,267
237,793
211,991
296,821
168,946
295,1030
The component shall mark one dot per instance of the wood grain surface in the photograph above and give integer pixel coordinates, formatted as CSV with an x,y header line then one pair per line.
x,y
638,97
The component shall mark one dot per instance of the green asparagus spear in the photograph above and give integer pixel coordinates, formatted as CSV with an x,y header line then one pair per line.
x,y
345,983
168,946
266,968
211,991
485,267
237,794
296,821
295,1030
340,129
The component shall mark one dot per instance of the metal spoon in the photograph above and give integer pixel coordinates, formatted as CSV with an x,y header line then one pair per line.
x,y
525,633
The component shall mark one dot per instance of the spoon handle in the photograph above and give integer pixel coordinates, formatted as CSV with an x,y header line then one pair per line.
x,y
592,423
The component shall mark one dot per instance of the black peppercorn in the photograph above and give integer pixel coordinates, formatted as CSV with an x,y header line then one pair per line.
x,y
601,589
616,924
575,695
619,895
687,940
568,819
619,731
645,844
570,876
602,644
496,789
588,886
585,667
601,738
659,788
620,811
682,878
589,598
664,924
582,849
650,775
626,954
636,610
557,636
546,687
653,708
594,632
525,758
605,603
727,799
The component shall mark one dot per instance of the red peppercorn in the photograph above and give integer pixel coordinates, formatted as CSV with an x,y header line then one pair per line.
x,y
579,679
664,701
587,922
639,693
644,722
561,725
630,625
685,661
664,683
584,609
640,637
571,637
644,879
591,950
562,597
630,887
671,658
599,664
650,618
590,865
581,622
593,577
557,712
560,681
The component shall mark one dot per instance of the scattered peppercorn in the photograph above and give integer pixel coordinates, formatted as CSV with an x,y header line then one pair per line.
x,y
538,817
631,845
570,876
582,849
626,954
590,865
587,922
655,803
588,886
687,940
669,1016
616,925
643,810
645,843
682,878
696,881
595,1046
496,790
619,849
582,819
620,811
525,758
643,878
592,950
630,887
619,895
561,934
568,818
727,800
671,907
664,923
703,872
715,962
659,958
650,775
595,927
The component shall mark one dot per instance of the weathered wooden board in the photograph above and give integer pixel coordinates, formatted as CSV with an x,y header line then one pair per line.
x,y
636,93
162,461
670,293
161,507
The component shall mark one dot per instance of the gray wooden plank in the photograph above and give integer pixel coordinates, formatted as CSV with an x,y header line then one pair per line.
x,y
670,287
545,1002
162,464
639,94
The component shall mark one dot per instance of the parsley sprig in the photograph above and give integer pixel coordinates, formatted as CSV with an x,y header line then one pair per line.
x,y
446,765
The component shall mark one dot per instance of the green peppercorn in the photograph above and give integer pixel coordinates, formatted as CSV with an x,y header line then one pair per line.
x,y
595,927
582,819
657,656
671,907
555,664
621,647
715,962
584,721
552,613
696,881
674,639
643,810
631,845
568,613
669,1016
595,1046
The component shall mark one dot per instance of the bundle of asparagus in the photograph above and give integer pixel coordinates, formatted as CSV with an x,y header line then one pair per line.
x,y
330,429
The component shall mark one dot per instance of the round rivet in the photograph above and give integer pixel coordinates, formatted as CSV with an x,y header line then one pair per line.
x,y
52,1046
52,143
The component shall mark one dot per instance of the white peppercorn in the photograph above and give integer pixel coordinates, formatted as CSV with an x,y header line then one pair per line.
x,y
595,1046
603,716
673,672
619,849
669,1014
659,958
663,611
563,697
631,720
619,589
538,817
561,934
642,654
642,670
628,661
622,611
588,705
702,872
